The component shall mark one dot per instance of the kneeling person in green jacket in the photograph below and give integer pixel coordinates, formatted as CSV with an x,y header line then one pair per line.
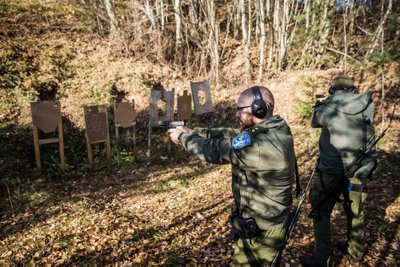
x,y
263,169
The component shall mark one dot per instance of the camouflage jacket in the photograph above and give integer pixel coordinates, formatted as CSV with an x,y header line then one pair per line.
x,y
346,120
263,167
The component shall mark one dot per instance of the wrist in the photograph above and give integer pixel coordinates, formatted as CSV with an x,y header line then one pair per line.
x,y
179,136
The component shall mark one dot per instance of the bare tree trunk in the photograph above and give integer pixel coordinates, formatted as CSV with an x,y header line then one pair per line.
x,y
159,7
379,29
162,15
307,7
236,21
323,31
246,41
292,31
213,39
257,14
283,33
345,39
99,25
137,17
271,35
262,39
397,34
178,29
116,35
192,13
111,15
150,13
296,12
383,84
249,26
231,17
276,32
351,15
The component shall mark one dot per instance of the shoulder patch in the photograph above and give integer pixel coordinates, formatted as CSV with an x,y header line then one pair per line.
x,y
241,140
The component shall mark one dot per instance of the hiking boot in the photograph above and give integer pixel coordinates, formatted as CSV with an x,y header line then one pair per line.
x,y
342,246
309,261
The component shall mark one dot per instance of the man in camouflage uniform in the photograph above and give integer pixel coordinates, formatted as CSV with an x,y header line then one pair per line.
x,y
263,165
346,119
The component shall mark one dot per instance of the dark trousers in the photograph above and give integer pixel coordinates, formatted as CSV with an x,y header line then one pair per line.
x,y
355,218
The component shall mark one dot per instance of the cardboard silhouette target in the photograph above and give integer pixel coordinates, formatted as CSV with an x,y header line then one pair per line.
x,y
125,114
156,98
96,121
185,106
125,117
201,93
46,116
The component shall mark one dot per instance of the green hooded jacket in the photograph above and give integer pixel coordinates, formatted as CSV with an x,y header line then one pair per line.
x,y
346,120
263,167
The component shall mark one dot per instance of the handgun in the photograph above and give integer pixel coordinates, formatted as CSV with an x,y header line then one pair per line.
x,y
170,124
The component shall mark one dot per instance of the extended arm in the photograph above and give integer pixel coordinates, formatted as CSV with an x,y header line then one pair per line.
x,y
219,151
215,133
210,150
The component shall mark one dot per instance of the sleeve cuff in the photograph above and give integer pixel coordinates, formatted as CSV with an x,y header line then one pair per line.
x,y
183,138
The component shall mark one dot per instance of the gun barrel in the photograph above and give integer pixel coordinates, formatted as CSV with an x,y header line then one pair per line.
x,y
170,124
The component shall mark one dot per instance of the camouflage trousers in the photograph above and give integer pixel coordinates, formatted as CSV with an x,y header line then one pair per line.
x,y
258,251
352,205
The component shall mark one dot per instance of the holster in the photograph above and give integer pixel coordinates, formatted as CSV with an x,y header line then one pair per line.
x,y
245,228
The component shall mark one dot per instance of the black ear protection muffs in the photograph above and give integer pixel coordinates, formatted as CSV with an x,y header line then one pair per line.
x,y
259,107
332,90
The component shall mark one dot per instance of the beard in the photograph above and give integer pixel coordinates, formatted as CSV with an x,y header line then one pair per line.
x,y
245,124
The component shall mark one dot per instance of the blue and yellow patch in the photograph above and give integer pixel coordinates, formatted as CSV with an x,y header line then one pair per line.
x,y
241,140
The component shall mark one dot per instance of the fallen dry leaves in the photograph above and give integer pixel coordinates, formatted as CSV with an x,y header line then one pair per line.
x,y
175,214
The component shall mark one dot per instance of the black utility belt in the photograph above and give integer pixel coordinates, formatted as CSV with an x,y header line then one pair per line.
x,y
246,228
356,187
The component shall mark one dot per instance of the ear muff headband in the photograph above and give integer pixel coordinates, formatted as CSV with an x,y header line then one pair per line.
x,y
259,107
331,90
352,89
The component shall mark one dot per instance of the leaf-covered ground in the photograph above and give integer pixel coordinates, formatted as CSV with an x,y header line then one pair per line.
x,y
174,212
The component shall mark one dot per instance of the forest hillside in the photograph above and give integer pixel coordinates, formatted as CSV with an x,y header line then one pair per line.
x,y
169,208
